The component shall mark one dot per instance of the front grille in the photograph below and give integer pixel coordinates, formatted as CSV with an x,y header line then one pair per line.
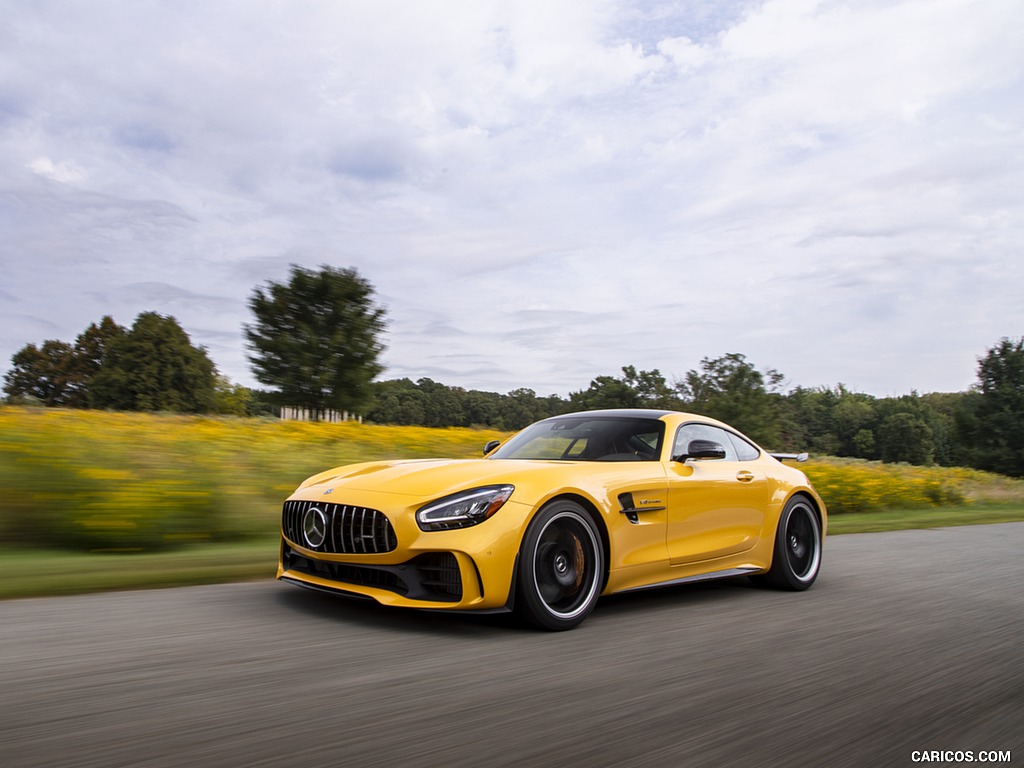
x,y
350,530
384,578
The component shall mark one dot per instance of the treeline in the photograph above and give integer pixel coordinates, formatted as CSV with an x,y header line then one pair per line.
x,y
153,366
982,428
918,429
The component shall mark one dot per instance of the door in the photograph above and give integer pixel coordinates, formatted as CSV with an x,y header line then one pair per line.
x,y
716,506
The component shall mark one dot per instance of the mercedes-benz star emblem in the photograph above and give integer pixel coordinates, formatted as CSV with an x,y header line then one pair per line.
x,y
314,527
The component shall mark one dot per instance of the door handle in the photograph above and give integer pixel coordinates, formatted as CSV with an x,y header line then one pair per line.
x,y
744,476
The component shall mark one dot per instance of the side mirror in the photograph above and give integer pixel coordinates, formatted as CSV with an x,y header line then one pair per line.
x,y
491,446
702,449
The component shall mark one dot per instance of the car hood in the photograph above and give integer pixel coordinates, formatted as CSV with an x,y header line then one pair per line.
x,y
433,478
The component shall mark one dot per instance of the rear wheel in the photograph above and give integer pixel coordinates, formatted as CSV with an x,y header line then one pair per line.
x,y
561,567
797,556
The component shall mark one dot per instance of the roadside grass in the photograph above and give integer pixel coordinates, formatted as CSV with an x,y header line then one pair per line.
x,y
930,517
47,572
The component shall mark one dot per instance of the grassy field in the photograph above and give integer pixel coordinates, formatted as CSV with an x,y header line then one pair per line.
x,y
95,501
46,572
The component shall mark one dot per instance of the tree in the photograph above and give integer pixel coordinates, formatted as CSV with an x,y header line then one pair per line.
x,y
854,420
808,424
316,339
732,390
41,374
605,392
57,373
944,411
998,423
521,407
904,436
155,367
634,389
231,399
428,403
91,350
651,388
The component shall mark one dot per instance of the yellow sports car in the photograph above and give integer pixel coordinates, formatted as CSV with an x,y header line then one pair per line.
x,y
569,509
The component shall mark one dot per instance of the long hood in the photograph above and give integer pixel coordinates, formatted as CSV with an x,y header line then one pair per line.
x,y
430,478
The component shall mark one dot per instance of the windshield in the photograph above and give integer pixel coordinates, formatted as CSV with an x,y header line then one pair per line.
x,y
587,438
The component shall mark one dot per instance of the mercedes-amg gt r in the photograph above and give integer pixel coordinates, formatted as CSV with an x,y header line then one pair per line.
x,y
569,509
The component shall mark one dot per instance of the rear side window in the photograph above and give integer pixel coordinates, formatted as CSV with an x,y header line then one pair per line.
x,y
744,451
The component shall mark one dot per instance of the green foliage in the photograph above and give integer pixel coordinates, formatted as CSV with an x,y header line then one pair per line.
x,y
997,422
912,428
634,389
430,404
732,390
232,399
316,339
824,421
855,423
92,350
605,392
41,374
154,367
905,437
57,373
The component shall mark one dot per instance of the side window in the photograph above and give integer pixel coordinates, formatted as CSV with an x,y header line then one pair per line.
x,y
744,450
690,432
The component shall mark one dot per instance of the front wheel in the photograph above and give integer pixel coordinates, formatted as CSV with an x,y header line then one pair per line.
x,y
561,567
797,556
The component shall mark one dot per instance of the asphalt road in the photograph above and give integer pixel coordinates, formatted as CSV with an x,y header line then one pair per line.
x,y
909,641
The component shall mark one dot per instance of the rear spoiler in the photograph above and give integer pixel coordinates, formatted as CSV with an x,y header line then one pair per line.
x,y
791,456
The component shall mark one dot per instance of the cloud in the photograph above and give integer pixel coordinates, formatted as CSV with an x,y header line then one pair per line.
x,y
541,193
66,171
164,297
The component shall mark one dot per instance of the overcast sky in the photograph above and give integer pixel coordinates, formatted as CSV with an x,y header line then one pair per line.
x,y
540,191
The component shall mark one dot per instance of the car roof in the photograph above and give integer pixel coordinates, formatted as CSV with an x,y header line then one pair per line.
x,y
617,413
643,413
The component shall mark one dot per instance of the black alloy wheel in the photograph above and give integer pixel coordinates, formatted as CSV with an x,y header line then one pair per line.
x,y
561,567
797,556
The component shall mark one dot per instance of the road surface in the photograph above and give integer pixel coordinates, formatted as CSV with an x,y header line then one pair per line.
x,y
910,641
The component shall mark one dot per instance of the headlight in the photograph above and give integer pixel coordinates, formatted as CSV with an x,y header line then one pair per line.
x,y
461,510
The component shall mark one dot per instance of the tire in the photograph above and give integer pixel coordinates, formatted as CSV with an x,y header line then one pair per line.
x,y
561,567
796,559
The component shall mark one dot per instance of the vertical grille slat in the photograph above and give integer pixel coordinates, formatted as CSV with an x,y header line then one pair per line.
x,y
350,530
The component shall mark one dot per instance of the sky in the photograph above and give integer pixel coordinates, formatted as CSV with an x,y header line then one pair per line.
x,y
540,192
